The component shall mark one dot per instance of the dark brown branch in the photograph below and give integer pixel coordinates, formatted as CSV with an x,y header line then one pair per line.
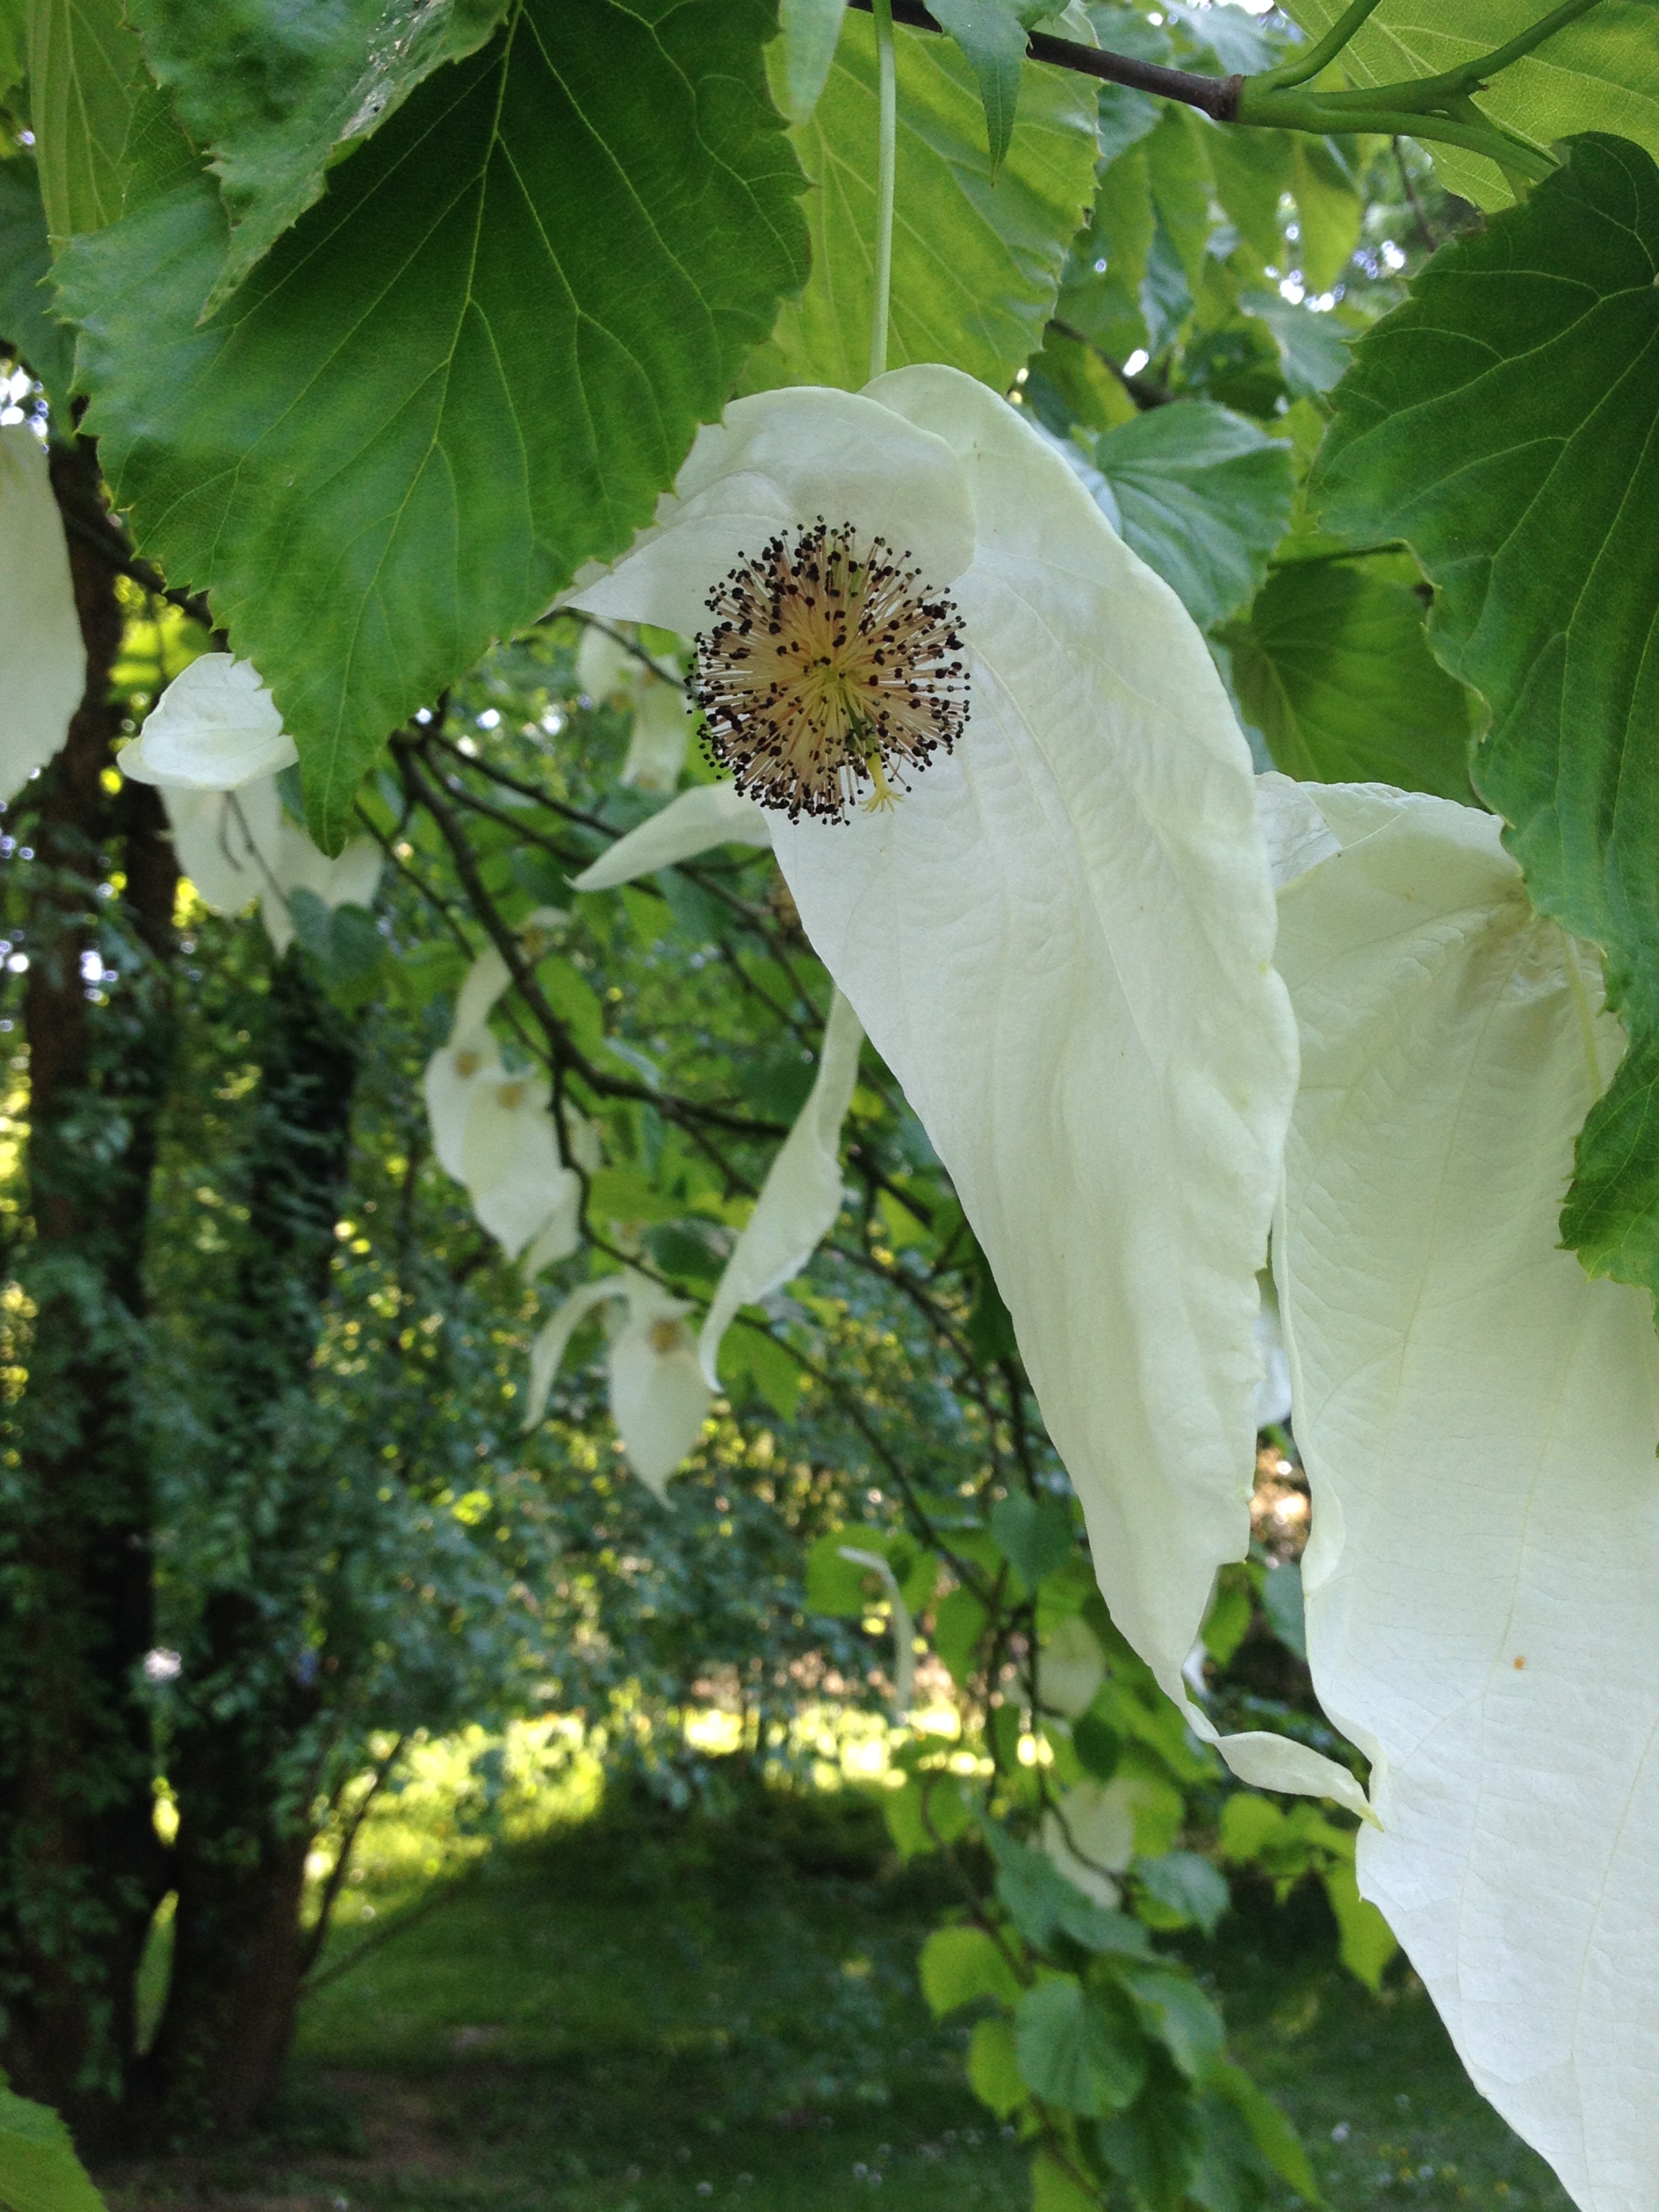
x,y
1217,96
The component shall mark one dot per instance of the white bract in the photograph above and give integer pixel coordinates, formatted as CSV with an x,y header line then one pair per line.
x,y
708,814
1072,1668
606,668
239,845
214,728
43,662
903,1627
351,878
1478,1422
227,842
659,1400
801,1197
1059,936
1090,1837
493,1127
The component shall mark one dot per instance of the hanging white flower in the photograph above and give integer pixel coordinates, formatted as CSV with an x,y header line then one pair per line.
x,y
903,1627
1090,1836
659,1400
493,1129
226,842
43,661
1478,1421
607,667
1072,1668
521,1190
214,728
1017,816
350,878
708,814
801,1196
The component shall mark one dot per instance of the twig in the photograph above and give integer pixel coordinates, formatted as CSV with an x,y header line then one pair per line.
x,y
1217,96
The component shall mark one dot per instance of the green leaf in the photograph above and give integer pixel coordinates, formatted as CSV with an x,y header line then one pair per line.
x,y
1042,1904
13,48
1270,2131
25,321
576,234
1079,2050
1204,497
1054,2190
1252,171
1328,211
1313,348
994,40
1157,2144
1365,1940
993,2066
810,29
272,91
928,1812
104,137
1501,421
976,265
1179,173
1281,1587
38,2169
1098,1746
1186,1887
958,1965
1035,1532
1599,74
344,940
1173,2008
1100,294
1333,667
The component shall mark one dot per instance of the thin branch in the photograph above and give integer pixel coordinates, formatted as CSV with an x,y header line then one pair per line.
x,y
1217,96
332,1887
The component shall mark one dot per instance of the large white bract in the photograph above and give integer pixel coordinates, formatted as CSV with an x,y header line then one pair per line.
x,y
214,728
1059,937
1478,1422
43,661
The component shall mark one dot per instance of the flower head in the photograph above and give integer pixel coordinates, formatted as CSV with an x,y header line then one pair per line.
x,y
1058,938
828,667
214,728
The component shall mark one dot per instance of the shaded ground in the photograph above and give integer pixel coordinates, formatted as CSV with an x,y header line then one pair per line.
x,y
655,2015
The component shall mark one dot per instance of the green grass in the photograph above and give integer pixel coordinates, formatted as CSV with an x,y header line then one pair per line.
x,y
649,2013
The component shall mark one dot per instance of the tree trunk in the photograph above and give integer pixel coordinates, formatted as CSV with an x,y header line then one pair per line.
x,y
247,1745
80,1865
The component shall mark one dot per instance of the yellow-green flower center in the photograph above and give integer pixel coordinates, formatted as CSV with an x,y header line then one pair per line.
x,y
826,670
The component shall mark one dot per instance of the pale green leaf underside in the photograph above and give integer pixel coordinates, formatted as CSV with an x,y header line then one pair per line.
x,y
270,91
976,265
472,366
1600,73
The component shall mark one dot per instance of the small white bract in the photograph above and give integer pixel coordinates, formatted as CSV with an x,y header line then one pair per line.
x,y
493,1129
214,728
616,668
659,1399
